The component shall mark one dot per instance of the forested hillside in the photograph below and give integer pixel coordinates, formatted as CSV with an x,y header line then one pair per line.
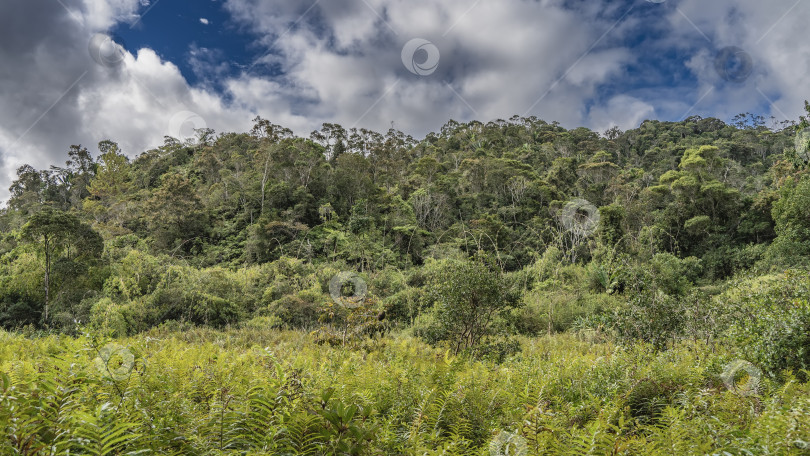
x,y
233,226
663,252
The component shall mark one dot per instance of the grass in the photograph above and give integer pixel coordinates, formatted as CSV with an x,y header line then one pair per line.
x,y
256,392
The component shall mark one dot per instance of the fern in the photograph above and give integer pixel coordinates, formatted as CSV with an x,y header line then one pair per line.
x,y
594,439
300,435
207,392
102,433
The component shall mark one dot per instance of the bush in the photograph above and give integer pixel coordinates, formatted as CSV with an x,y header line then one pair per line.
x,y
263,323
769,321
428,329
674,276
471,298
296,311
17,311
404,306
106,316
650,316
557,311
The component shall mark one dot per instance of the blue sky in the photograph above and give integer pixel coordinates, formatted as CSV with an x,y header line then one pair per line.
x,y
181,32
190,33
208,45
196,35
361,63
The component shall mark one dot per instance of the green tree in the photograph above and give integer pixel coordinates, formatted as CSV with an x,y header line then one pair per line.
x,y
59,233
469,297
110,185
27,191
792,216
174,215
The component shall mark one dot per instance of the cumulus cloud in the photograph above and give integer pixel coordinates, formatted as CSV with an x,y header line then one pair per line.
x,y
496,59
621,111
55,93
769,32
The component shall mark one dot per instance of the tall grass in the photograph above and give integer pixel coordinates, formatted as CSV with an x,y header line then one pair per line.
x,y
250,391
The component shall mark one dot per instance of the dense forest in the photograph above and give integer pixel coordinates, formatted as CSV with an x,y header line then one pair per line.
x,y
511,287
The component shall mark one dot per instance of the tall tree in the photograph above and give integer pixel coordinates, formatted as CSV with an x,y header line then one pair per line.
x,y
110,185
174,215
56,233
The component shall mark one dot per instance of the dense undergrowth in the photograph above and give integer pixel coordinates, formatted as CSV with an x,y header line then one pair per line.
x,y
254,391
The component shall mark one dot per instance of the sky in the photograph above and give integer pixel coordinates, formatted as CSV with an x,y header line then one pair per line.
x,y
134,71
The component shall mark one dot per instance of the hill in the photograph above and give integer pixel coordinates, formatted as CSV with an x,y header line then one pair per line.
x,y
498,288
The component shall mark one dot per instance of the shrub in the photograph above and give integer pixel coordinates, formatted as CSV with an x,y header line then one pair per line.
x,y
650,316
262,323
769,321
674,276
557,311
471,298
405,305
106,316
295,311
17,310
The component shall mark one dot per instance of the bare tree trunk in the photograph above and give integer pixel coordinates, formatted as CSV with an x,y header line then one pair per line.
x,y
47,276
264,179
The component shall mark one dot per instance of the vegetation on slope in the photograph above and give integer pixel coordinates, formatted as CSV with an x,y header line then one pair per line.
x,y
465,266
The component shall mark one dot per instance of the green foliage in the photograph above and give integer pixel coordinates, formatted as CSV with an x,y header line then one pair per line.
x,y
461,240
658,303
769,320
470,298
66,246
792,216
205,392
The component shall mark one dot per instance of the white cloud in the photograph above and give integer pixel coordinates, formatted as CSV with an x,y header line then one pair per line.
x,y
621,111
54,94
204,21
499,58
770,32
